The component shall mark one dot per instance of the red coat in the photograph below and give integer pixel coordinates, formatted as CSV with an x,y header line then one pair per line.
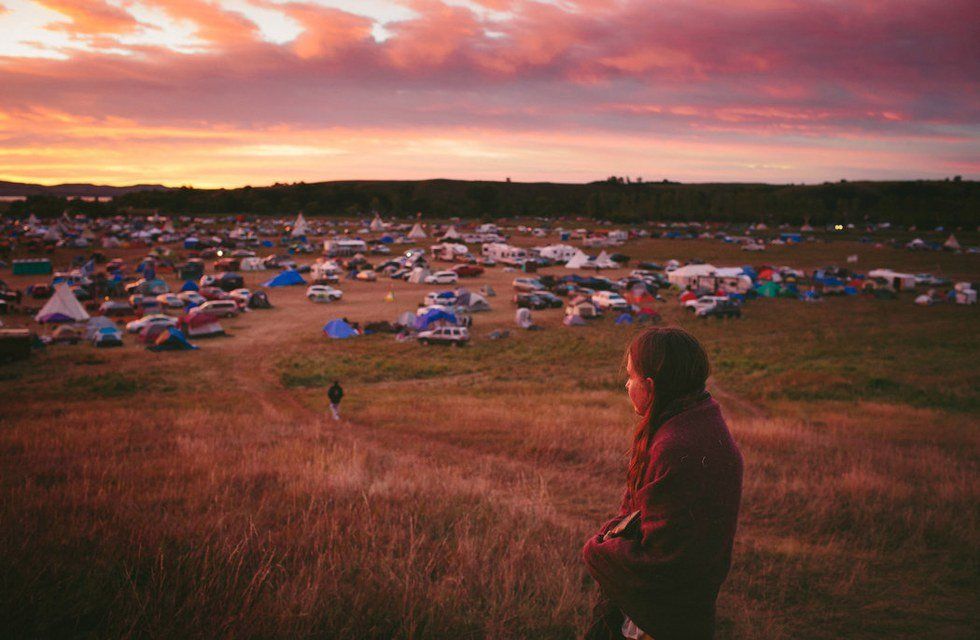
x,y
667,579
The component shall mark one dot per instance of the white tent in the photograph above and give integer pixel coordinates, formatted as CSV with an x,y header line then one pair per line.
x,y
688,274
952,243
377,224
579,261
523,318
252,264
451,234
418,274
900,281
417,233
62,303
604,261
300,228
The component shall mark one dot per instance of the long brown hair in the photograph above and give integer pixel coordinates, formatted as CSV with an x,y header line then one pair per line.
x,y
679,367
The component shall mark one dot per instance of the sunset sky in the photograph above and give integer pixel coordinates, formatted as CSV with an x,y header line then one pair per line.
x,y
235,92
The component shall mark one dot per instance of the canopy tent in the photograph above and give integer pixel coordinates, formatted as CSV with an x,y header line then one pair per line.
x,y
63,306
286,278
339,329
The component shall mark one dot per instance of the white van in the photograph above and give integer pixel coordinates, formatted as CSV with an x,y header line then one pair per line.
x,y
220,308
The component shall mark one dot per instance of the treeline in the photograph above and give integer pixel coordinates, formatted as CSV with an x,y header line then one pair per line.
x,y
923,203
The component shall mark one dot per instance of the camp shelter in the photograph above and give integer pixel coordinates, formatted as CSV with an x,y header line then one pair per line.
x,y
472,301
197,324
339,329
604,261
287,278
62,306
768,289
252,263
190,285
259,300
418,275
171,339
300,227
417,233
523,318
951,244
149,333
579,261
108,337
95,323
624,318
898,281
432,316
573,321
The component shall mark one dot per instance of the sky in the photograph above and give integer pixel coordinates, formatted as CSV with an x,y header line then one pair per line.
x,y
224,93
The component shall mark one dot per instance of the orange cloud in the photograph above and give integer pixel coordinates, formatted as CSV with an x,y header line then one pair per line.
x,y
90,17
212,23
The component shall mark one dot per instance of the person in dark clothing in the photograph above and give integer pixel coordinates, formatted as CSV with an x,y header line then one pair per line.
x,y
659,575
335,394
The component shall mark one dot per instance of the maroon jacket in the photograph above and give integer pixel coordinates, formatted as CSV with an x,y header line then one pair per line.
x,y
667,579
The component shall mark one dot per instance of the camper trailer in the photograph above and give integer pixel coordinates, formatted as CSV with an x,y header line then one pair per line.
x,y
342,248
505,254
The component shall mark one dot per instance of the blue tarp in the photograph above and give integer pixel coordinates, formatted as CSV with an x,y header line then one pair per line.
x,y
433,315
285,279
190,285
339,329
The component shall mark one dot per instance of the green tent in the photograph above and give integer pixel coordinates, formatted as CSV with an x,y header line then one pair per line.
x,y
768,289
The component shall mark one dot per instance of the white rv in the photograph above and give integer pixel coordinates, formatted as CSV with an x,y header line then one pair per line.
x,y
505,253
343,247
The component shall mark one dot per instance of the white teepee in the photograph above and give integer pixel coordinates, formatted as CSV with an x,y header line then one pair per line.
x,y
62,303
300,227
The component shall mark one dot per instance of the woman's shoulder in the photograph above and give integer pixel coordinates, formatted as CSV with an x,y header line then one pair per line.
x,y
690,435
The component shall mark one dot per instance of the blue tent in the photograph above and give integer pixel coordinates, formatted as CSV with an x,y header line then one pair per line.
x,y
338,329
433,315
624,319
267,243
190,285
386,239
171,339
286,278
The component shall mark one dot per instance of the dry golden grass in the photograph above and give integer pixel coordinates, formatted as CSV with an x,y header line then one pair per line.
x,y
205,494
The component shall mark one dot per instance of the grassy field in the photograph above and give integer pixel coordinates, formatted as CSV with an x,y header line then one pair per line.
x,y
205,494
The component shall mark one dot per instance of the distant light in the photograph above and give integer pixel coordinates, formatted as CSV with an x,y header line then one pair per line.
x,y
837,227
221,253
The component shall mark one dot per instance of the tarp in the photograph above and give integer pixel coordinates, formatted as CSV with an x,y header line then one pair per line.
x,y
434,315
339,329
63,306
286,278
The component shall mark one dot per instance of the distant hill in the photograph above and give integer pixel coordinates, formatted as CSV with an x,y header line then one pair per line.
x,y
72,190
927,203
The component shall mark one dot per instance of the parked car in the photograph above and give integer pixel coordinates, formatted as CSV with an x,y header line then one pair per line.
x,y
191,297
455,336
137,325
241,296
527,284
213,293
442,277
170,301
445,298
323,293
726,309
468,270
550,299
610,300
530,301
703,301
220,308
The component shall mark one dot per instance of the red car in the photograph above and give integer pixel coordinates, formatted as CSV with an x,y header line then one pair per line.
x,y
468,270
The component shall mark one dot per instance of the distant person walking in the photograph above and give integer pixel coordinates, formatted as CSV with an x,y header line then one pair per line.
x,y
662,560
336,394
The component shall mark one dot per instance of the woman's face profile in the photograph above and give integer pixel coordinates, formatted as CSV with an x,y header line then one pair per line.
x,y
639,389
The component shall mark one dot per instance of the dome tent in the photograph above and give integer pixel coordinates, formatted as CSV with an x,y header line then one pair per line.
x,y
339,329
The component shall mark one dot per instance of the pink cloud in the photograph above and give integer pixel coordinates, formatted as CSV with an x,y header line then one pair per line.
x,y
863,74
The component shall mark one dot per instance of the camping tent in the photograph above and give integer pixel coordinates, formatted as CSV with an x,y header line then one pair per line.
x,y
190,285
63,306
286,278
451,234
171,339
952,243
768,289
578,261
603,261
473,302
417,275
523,318
107,337
339,329
252,263
423,321
200,325
573,321
417,233
377,224
95,323
300,227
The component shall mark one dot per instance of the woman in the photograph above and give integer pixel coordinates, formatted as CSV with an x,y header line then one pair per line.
x,y
660,572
